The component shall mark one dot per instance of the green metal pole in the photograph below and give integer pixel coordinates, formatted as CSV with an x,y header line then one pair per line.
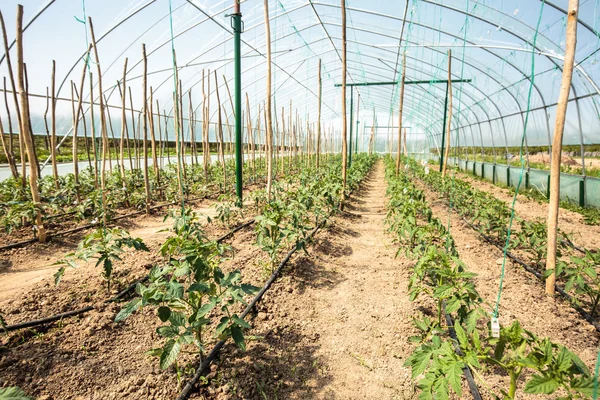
x,y
236,18
356,138
444,130
351,123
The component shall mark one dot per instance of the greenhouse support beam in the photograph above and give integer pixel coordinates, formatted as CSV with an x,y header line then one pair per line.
x,y
236,19
406,83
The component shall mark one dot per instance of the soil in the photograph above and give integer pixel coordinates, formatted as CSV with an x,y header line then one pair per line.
x,y
570,222
523,296
544,158
334,326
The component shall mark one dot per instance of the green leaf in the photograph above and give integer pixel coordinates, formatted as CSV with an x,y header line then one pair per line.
x,y
461,335
58,275
240,322
539,384
13,393
164,313
169,354
168,331
129,309
454,376
238,337
200,287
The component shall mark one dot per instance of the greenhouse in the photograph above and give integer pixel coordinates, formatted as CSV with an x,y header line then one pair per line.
x,y
299,199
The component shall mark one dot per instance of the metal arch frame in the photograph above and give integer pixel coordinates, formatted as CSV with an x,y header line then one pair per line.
x,y
576,97
454,36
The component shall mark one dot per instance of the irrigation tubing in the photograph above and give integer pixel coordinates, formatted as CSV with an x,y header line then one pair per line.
x,y
466,370
213,353
120,295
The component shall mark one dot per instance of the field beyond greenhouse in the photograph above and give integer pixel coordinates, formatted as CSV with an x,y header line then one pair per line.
x,y
299,200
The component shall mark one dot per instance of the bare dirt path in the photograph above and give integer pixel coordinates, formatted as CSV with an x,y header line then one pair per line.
x,y
338,326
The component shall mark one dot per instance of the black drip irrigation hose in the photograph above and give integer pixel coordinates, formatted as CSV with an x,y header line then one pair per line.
x,y
588,317
213,353
466,370
120,295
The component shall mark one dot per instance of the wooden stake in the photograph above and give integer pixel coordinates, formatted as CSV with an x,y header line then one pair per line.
x,y
283,140
53,136
123,123
153,139
220,135
268,122
559,126
103,130
11,76
205,128
344,117
145,119
133,131
319,116
447,150
400,113
10,130
25,128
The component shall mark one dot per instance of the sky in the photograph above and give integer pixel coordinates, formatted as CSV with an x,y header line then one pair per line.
x,y
492,47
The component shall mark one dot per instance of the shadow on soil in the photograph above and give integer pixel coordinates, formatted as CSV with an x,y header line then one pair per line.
x,y
280,366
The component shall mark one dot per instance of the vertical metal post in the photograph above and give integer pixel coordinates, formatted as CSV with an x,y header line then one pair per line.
x,y
236,19
351,124
356,138
444,130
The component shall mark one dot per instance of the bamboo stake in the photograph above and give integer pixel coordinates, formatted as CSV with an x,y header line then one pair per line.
x,y
123,123
30,131
283,140
33,172
183,145
166,135
153,138
221,155
229,133
559,126
133,131
145,121
47,138
400,113
7,153
75,113
227,117
447,150
319,116
177,125
93,128
290,139
192,125
206,159
161,143
269,121
344,118
10,129
103,131
112,134
405,148
53,136
250,136
85,136
205,128
11,76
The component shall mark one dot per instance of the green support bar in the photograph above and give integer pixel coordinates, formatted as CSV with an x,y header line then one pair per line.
x,y
405,82
356,138
351,123
236,19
